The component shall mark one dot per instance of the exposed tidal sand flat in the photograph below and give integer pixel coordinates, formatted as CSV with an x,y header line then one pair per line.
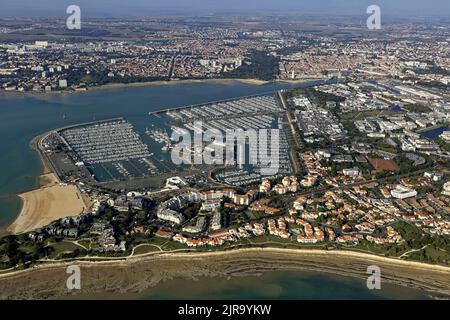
x,y
46,204
135,276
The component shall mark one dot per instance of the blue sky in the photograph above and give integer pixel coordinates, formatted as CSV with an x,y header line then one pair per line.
x,y
130,8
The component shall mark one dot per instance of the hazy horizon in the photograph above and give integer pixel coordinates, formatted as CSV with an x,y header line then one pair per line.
x,y
140,8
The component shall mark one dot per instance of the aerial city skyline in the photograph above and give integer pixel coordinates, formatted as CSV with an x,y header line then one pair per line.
x,y
275,150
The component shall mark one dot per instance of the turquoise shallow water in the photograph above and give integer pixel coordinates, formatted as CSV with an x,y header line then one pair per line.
x,y
24,117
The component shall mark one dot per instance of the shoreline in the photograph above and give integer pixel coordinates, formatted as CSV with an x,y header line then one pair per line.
x,y
110,86
40,205
50,202
45,171
118,85
148,270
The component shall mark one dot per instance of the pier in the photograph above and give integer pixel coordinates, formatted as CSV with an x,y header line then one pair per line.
x,y
158,112
271,92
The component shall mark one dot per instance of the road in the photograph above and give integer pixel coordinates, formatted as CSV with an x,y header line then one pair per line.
x,y
413,250
295,136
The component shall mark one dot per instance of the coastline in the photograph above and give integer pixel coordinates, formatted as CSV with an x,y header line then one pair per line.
x,y
50,202
176,82
110,86
135,275
41,206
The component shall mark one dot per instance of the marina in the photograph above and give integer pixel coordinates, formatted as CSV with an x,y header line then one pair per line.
x,y
229,109
108,150
105,142
160,136
195,106
259,117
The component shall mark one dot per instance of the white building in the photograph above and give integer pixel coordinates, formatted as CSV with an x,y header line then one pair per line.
x,y
402,192
198,227
211,205
445,135
171,215
63,83
435,176
446,190
42,44
216,221
353,172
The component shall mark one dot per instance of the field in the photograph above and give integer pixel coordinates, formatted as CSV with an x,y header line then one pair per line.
x,y
381,165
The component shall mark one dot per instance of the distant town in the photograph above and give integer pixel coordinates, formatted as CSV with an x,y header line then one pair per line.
x,y
164,49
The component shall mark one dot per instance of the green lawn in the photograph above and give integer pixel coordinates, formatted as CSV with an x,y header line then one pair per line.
x,y
61,248
146,249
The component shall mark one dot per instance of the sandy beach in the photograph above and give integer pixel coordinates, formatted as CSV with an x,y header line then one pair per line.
x,y
147,84
176,82
50,202
110,86
219,81
137,274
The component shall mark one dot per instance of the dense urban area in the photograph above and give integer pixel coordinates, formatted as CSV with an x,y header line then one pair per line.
x,y
43,56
